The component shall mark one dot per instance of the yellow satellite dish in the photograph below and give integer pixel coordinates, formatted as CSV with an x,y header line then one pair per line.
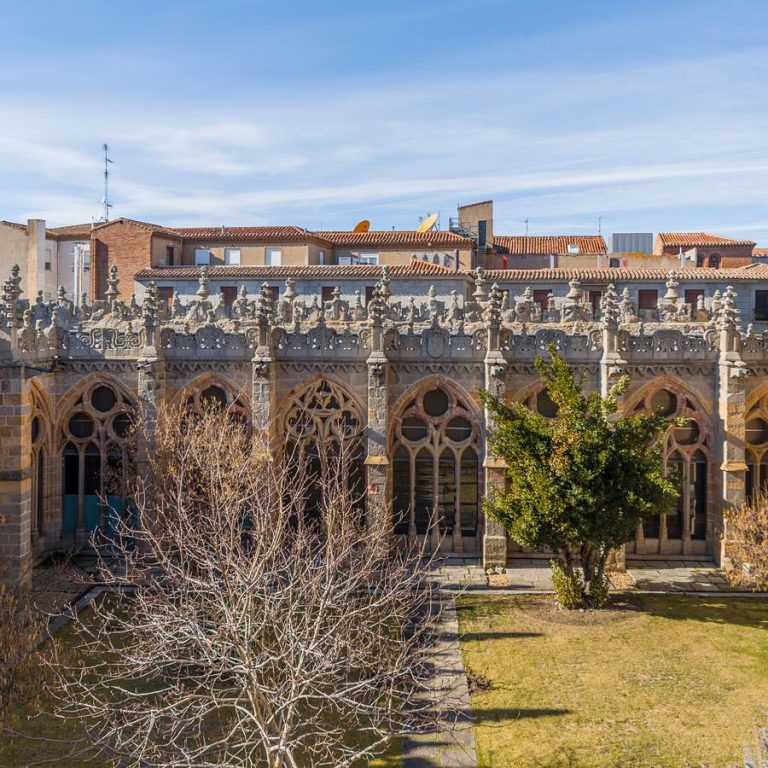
x,y
428,223
362,226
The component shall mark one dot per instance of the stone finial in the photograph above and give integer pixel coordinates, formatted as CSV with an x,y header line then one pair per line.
x,y
264,305
495,300
290,289
610,309
574,291
203,292
386,293
672,295
177,308
480,294
112,282
728,316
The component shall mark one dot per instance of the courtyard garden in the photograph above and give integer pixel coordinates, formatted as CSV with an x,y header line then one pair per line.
x,y
654,681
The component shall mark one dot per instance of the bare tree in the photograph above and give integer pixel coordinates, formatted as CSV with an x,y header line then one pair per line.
x,y
271,623
23,673
747,543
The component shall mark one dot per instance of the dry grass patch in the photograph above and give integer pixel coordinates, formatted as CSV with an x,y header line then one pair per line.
x,y
657,682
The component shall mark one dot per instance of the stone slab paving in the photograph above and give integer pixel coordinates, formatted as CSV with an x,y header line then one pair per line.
x,y
453,744
664,577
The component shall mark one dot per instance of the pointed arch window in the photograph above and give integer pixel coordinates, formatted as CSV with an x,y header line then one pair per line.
x,y
687,452
436,468
756,453
95,460
320,421
40,438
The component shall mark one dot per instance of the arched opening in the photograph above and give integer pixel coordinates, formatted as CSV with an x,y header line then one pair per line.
x,y
756,450
685,528
435,478
322,430
95,462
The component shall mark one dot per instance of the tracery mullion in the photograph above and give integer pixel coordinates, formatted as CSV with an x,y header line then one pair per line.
x,y
458,540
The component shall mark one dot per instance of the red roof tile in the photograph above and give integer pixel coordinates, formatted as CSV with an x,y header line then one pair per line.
x,y
71,232
398,237
749,272
546,244
313,272
694,239
154,228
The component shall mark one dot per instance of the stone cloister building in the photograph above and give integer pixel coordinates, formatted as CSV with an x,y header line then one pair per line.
x,y
400,377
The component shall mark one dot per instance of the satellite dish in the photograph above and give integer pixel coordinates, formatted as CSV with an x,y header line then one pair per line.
x,y
362,226
428,223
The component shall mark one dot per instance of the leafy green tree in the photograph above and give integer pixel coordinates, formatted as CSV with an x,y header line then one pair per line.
x,y
578,483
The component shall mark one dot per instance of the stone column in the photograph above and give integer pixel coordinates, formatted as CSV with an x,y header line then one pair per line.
x,y
263,374
377,429
150,386
731,411
494,534
15,478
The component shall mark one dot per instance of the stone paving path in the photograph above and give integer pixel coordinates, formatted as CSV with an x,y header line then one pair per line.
x,y
534,576
454,745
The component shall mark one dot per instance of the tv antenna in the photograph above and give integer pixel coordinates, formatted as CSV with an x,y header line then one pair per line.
x,y
107,204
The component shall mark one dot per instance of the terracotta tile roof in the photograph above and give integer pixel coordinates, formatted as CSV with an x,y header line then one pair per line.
x,y
288,234
71,232
694,239
749,272
154,228
545,244
312,272
398,237
760,251
14,225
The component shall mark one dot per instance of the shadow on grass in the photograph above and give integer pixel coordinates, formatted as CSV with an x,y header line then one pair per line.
x,y
502,715
467,636
740,611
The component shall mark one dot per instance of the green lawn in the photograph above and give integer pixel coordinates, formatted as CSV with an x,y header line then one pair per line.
x,y
45,740
657,682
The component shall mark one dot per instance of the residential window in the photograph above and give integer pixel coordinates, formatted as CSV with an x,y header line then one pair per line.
x,y
368,258
647,298
169,255
369,289
761,306
714,261
47,266
692,296
273,257
202,257
232,257
699,260
321,257
573,249
614,263
326,293
165,294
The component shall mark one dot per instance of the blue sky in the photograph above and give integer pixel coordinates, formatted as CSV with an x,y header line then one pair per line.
x,y
652,115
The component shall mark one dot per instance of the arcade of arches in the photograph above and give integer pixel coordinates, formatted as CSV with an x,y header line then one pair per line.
x,y
435,476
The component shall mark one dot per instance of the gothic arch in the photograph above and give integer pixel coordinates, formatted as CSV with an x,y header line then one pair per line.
x,y
687,528
756,442
93,444
436,453
217,388
301,395
317,421
674,384
42,441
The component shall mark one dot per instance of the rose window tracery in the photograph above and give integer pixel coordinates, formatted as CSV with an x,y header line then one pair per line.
x,y
95,459
436,467
687,451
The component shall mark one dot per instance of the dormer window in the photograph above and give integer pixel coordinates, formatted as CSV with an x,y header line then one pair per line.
x,y
573,249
